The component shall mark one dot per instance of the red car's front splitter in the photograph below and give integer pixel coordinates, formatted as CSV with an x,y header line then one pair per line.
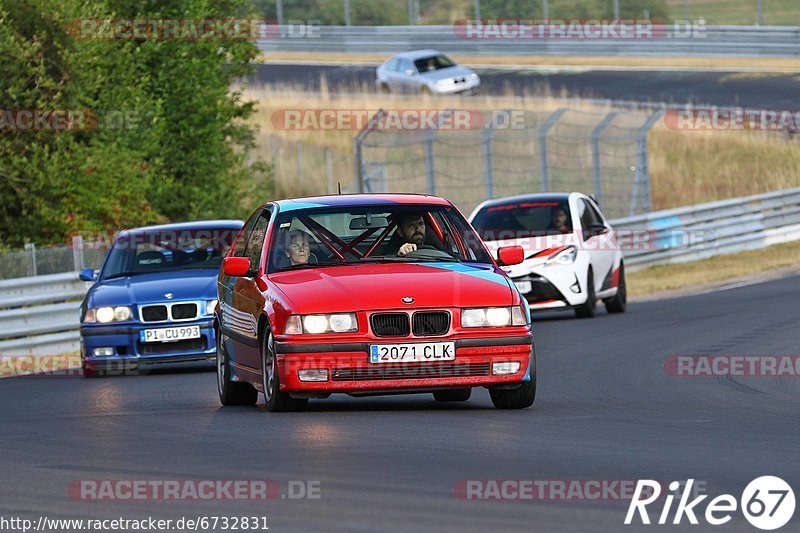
x,y
351,371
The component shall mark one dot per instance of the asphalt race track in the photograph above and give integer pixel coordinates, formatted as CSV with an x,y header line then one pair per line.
x,y
759,91
606,409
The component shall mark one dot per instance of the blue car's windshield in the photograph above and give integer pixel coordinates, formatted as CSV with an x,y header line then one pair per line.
x,y
163,251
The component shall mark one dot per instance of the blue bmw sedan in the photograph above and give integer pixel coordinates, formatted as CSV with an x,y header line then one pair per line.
x,y
153,300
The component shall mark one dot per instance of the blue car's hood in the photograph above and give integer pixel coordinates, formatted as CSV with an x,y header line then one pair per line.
x,y
148,288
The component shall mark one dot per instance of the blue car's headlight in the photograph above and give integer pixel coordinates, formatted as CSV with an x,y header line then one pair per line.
x,y
211,305
104,315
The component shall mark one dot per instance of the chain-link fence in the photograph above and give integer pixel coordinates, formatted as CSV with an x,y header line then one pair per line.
x,y
513,152
42,260
303,169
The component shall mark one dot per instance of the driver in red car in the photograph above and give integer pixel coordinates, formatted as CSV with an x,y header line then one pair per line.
x,y
411,229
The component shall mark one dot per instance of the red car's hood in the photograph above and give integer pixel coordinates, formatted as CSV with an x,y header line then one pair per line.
x,y
383,286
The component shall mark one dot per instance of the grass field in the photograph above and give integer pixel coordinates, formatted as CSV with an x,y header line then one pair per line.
x,y
722,268
776,12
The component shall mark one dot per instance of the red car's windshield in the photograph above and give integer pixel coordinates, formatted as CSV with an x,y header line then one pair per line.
x,y
335,236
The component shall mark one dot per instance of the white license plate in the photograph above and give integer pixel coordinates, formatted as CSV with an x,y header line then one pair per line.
x,y
170,334
412,353
524,286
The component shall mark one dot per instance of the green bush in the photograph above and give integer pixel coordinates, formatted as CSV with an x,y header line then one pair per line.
x,y
172,143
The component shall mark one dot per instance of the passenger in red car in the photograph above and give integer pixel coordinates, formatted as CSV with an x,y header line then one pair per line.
x,y
298,247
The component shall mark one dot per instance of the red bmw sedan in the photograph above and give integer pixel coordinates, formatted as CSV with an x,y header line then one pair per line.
x,y
367,295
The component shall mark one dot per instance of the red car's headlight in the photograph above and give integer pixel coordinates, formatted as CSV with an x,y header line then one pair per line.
x,y
333,323
492,317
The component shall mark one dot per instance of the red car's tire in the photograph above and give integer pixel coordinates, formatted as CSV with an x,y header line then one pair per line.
x,y
521,397
231,392
276,400
452,395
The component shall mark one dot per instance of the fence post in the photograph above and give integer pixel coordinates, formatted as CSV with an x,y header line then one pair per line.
x,y
358,150
488,164
328,171
300,163
598,184
430,170
77,253
275,168
642,178
545,172
32,247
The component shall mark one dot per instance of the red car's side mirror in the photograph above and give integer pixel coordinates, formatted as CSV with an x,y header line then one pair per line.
x,y
236,266
510,255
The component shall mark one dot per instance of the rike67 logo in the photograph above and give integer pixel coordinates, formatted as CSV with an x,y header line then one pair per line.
x,y
767,503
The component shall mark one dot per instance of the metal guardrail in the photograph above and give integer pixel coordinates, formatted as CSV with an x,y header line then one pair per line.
x,y
39,315
742,41
704,230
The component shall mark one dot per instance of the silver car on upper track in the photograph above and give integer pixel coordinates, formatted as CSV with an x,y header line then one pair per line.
x,y
426,71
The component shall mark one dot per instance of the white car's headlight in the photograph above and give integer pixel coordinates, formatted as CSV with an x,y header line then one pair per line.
x,y
104,315
484,317
211,305
442,83
333,323
563,257
473,76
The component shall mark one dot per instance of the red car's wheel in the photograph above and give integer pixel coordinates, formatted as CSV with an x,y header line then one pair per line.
x,y
231,392
270,380
521,397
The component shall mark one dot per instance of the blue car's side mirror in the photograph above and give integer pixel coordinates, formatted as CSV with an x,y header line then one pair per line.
x,y
87,274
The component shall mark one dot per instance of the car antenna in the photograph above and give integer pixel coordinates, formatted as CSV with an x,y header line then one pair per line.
x,y
339,183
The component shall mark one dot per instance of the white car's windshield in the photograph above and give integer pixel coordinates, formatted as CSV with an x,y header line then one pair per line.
x,y
386,233
523,219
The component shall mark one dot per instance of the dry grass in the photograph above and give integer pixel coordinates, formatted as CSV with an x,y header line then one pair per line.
x,y
777,64
662,278
689,167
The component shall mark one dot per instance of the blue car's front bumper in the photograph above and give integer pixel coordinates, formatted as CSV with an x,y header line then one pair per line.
x,y
130,351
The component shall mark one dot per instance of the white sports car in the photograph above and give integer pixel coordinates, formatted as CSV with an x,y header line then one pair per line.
x,y
571,254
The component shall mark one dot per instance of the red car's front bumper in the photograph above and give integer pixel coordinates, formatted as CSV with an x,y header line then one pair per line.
x,y
349,369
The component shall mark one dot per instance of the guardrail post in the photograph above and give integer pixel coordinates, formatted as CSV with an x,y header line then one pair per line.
x,y
32,247
598,184
77,252
544,170
430,170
